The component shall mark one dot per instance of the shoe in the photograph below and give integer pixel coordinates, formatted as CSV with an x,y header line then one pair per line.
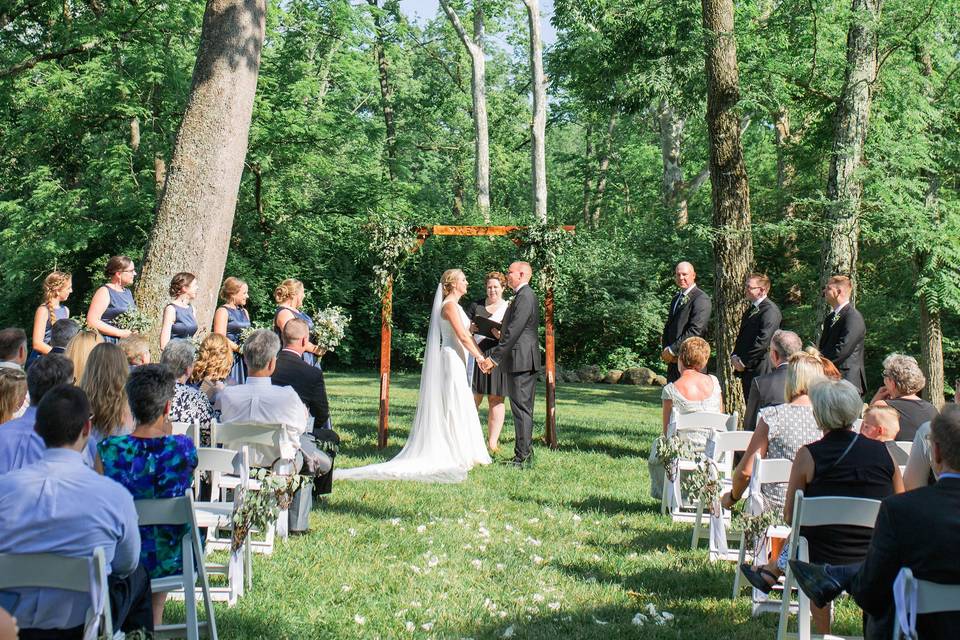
x,y
755,577
814,580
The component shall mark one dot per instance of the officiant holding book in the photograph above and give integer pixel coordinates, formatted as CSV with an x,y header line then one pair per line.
x,y
486,315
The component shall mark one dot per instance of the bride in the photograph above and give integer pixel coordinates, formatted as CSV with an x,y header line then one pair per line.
x,y
445,439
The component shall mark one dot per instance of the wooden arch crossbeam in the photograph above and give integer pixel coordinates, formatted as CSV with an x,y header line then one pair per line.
x,y
386,331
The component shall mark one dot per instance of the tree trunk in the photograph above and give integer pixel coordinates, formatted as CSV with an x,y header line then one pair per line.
x,y
538,157
134,134
785,174
672,190
931,329
159,179
478,86
732,244
603,168
195,216
587,173
386,91
839,252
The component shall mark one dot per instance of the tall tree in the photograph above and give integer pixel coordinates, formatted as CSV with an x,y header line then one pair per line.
x,y
538,126
478,86
386,90
195,216
732,243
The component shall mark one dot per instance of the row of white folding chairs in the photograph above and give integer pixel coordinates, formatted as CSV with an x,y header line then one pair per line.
x,y
721,448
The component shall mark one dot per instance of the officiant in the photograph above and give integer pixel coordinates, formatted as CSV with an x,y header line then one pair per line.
x,y
486,315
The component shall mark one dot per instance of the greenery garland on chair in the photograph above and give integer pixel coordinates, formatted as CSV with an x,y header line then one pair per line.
x,y
704,484
259,509
670,451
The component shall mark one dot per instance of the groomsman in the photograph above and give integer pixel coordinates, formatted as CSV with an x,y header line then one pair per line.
x,y
841,338
689,316
760,321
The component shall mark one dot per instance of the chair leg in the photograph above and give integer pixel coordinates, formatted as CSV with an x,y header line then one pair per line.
x,y
665,496
695,542
210,623
189,591
248,562
741,558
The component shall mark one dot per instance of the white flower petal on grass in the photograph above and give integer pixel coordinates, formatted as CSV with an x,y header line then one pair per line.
x,y
477,564
409,626
352,532
596,558
484,532
652,610
489,604
395,521
482,547
538,597
346,588
501,566
639,620
508,527
554,606
533,520
433,561
667,615
537,559
416,604
415,569
598,621
632,556
508,632
503,614
426,626
577,518
359,619
421,528
533,541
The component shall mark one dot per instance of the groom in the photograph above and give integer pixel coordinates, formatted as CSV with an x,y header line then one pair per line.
x,y
519,354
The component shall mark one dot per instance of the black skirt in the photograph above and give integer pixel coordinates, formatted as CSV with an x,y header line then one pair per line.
x,y
494,383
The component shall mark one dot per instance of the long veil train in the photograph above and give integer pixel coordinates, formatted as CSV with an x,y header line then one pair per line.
x,y
445,438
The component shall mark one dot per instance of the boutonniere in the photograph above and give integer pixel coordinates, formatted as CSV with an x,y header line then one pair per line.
x,y
834,319
683,300
754,311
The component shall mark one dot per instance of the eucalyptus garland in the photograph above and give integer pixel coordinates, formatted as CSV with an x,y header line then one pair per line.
x,y
670,451
259,509
704,483
755,527
391,241
543,246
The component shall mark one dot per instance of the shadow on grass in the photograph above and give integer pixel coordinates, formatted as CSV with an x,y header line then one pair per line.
x,y
614,506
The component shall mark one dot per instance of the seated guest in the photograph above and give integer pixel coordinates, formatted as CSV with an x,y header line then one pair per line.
x,y
13,348
839,464
13,392
782,430
259,400
58,505
213,366
919,471
61,333
883,424
189,404
152,463
918,530
767,389
292,371
692,392
902,381
79,348
20,444
137,350
103,381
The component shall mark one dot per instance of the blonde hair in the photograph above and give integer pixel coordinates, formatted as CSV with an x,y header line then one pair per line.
x,y
104,380
288,290
886,417
79,348
52,285
231,287
214,360
803,371
134,346
13,391
448,279
694,353
830,370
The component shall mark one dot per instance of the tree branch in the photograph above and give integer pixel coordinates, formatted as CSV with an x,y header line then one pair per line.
x,y
30,63
458,26
888,52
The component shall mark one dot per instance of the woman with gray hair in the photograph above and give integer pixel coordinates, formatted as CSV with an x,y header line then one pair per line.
x,y
902,382
841,463
189,404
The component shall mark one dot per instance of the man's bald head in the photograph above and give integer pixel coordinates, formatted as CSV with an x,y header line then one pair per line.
x,y
518,274
684,275
294,331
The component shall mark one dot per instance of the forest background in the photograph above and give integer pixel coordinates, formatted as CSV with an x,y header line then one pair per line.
x,y
361,113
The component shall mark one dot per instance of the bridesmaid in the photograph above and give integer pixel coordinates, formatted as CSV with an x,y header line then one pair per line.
x,y
57,287
289,295
113,299
179,321
230,320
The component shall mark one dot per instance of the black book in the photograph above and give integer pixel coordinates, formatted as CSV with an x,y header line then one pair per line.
x,y
486,325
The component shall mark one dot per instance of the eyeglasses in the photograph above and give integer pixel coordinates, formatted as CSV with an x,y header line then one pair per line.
x,y
129,271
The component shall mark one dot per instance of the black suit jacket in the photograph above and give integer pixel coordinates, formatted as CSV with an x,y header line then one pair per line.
x,y
918,529
307,381
689,319
842,343
519,348
767,390
756,331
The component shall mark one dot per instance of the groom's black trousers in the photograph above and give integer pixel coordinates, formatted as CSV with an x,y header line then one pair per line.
x,y
523,386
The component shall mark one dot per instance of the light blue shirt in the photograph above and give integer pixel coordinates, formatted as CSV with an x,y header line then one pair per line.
x,y
60,506
20,445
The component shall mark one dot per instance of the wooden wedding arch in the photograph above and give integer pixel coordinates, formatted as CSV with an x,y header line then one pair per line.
x,y
386,329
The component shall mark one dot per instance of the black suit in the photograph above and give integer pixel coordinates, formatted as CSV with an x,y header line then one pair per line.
x,y
765,391
687,318
841,340
519,355
307,381
753,341
918,529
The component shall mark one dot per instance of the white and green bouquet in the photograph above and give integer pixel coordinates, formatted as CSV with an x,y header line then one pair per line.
x,y
246,333
135,321
329,327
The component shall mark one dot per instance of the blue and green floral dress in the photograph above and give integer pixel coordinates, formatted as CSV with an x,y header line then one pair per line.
x,y
153,468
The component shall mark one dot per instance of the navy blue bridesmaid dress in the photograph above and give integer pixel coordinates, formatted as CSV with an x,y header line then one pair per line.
x,y
59,313
237,320
184,323
120,303
309,358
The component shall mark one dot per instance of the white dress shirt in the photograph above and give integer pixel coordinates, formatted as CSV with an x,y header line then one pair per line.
x,y
59,505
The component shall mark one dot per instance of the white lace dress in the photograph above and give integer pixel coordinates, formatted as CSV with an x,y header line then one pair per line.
x,y
446,439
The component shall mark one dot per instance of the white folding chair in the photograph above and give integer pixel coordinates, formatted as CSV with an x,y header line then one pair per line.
x,y
179,511
901,453
189,429
687,427
765,471
50,571
217,516
818,512
721,448
931,597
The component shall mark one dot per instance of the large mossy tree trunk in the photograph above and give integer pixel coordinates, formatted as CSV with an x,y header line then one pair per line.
x,y
195,217
732,243
851,118
538,126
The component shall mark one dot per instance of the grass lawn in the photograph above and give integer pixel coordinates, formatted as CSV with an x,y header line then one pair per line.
x,y
572,548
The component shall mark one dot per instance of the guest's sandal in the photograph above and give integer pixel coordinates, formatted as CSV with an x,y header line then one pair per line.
x,y
755,577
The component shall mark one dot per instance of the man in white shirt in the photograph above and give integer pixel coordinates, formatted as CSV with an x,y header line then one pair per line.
x,y
13,348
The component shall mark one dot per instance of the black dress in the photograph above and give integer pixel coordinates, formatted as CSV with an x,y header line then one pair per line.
x,y
866,471
913,413
495,382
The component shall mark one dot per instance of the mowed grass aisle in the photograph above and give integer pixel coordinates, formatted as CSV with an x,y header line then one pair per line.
x,y
572,548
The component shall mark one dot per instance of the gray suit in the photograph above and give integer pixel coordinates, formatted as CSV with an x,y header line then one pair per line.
x,y
519,355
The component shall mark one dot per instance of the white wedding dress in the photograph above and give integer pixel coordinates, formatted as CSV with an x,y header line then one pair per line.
x,y
446,439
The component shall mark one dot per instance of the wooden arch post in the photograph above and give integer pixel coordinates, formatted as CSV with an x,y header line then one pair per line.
x,y
386,332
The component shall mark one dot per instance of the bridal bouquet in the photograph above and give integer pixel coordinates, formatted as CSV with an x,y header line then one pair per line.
x,y
246,333
134,321
329,327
